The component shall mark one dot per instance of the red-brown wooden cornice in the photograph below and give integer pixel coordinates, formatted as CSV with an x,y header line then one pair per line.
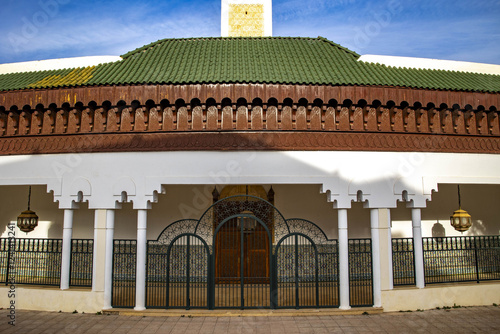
x,y
237,141
248,117
203,92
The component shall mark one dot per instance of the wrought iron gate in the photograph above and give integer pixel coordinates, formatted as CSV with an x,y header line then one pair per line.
x,y
242,265
242,253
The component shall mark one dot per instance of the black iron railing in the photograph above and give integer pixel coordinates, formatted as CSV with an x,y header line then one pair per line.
x,y
38,261
33,261
82,251
461,259
124,267
403,261
360,272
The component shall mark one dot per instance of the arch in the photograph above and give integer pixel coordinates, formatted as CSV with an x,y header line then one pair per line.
x,y
303,102
347,103
135,104
79,106
272,102
211,102
404,105
193,252
257,102
106,105
302,268
164,104
318,103
362,103
376,104
150,104
226,102
124,184
333,103
226,207
66,106
288,102
80,185
241,102
93,105
195,103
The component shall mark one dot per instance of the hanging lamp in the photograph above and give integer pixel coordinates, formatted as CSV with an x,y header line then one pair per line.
x,y
27,220
460,220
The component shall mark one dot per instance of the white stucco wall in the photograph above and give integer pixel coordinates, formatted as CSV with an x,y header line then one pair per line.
x,y
309,185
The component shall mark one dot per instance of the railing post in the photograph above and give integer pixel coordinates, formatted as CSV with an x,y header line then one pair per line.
x,y
476,258
9,257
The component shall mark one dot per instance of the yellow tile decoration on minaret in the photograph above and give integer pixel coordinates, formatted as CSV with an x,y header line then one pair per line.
x,y
246,20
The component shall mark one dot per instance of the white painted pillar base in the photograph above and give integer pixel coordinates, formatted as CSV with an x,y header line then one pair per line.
x,y
108,271
377,292
343,260
418,251
66,249
140,278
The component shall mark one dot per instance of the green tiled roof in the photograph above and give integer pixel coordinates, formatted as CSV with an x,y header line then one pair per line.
x,y
278,60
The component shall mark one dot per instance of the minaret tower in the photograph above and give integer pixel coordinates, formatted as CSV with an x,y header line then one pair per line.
x,y
242,18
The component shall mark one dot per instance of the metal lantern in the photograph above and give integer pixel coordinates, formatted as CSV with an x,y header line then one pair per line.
x,y
249,224
27,220
460,220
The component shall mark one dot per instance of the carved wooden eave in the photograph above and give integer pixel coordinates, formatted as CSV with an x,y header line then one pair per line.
x,y
247,117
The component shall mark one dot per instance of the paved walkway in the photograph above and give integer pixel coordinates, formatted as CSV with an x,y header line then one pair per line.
x,y
460,320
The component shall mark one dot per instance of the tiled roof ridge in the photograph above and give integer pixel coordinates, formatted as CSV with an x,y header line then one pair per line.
x,y
161,41
288,60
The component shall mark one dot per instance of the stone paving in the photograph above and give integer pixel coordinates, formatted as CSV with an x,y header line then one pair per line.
x,y
459,320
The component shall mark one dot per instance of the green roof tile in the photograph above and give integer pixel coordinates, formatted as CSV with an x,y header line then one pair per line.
x,y
279,60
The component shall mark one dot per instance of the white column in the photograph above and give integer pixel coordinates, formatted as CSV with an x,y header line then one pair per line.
x,y
99,265
66,249
140,278
418,251
108,271
343,260
377,292
389,251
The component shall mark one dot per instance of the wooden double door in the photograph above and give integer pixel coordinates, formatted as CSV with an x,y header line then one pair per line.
x,y
242,252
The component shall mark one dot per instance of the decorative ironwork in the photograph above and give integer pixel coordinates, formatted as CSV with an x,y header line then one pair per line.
x,y
35,261
81,262
403,261
124,266
238,237
175,229
234,205
178,273
360,272
38,261
305,277
461,259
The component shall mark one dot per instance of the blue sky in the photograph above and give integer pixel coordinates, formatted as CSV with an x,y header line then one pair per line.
x,y
456,30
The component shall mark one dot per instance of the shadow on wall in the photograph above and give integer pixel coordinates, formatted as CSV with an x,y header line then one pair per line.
x,y
438,230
